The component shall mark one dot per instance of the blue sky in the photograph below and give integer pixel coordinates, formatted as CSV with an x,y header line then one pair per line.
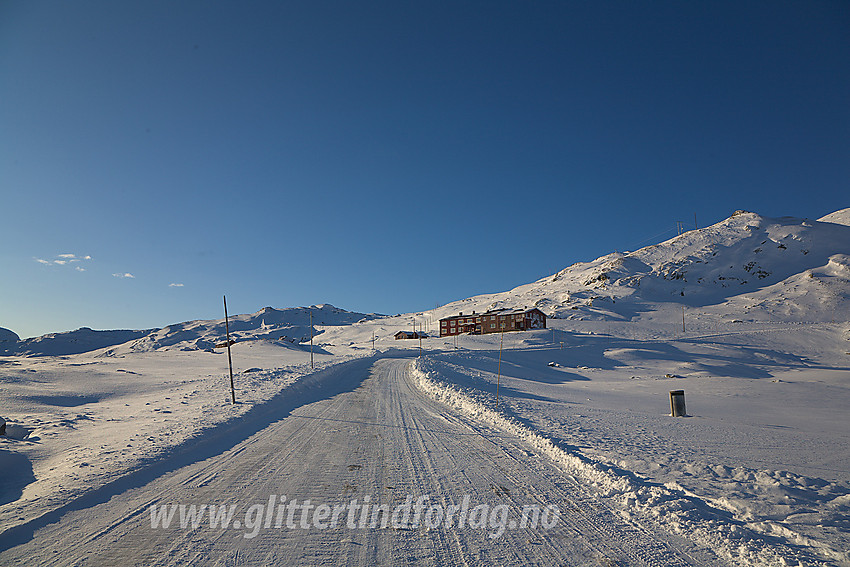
x,y
390,156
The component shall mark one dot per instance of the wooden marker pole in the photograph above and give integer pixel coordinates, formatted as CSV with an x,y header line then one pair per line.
x,y
229,359
499,375
311,339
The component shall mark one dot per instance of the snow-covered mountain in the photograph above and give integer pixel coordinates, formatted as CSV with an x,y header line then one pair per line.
x,y
838,217
288,327
8,340
787,269
7,336
81,340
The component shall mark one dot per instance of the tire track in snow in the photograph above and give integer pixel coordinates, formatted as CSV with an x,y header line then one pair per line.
x,y
384,439
612,539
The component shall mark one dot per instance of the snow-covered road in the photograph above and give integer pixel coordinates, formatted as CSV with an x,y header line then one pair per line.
x,y
378,442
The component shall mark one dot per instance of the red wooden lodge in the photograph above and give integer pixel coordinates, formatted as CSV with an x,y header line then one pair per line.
x,y
495,321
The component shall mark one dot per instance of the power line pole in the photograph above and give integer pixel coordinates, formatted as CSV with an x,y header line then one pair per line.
x,y
229,359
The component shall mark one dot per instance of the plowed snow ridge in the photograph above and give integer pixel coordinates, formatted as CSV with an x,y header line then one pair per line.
x,y
679,511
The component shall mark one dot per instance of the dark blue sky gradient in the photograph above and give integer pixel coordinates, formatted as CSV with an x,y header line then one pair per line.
x,y
389,156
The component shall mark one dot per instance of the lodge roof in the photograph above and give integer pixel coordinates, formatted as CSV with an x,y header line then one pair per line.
x,y
502,311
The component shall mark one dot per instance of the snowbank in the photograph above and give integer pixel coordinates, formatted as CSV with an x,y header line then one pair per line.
x,y
741,540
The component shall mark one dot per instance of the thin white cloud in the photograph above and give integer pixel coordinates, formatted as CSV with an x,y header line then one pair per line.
x,y
80,269
124,275
63,259
175,285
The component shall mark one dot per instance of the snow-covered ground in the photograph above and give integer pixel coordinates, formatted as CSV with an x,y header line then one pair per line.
x,y
759,471
766,438
89,419
79,421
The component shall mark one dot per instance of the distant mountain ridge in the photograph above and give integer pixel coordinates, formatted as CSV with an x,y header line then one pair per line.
x,y
290,325
81,340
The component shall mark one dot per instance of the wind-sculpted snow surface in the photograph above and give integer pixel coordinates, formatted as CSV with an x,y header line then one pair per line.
x,y
86,420
709,523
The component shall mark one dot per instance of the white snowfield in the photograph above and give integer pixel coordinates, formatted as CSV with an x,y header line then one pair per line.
x,y
133,454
